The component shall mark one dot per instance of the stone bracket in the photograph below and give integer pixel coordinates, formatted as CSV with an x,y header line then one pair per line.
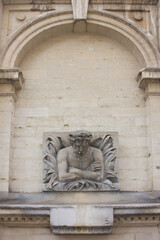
x,y
80,9
13,76
81,219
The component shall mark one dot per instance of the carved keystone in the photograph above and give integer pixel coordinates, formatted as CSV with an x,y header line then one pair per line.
x,y
80,219
80,9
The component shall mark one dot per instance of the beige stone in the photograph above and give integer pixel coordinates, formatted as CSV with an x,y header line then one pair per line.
x,y
80,75
5,140
43,233
70,104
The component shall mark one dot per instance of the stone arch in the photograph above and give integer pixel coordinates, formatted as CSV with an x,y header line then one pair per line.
x,y
103,23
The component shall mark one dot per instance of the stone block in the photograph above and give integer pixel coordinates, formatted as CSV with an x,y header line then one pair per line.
x,y
6,106
30,94
19,122
140,121
29,153
44,121
4,186
80,9
32,112
25,132
81,219
27,142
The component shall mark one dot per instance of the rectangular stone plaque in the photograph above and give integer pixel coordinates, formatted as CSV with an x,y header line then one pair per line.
x,y
80,161
81,219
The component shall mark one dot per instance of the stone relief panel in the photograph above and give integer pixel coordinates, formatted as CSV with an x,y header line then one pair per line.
x,y
80,161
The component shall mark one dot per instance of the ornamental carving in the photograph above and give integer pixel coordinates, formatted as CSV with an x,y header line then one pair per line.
x,y
80,161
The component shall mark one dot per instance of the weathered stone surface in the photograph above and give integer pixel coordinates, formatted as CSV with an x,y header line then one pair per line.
x,y
80,74
80,9
41,210
80,161
81,219
26,210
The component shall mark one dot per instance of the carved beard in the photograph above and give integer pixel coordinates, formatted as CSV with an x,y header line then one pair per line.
x,y
80,153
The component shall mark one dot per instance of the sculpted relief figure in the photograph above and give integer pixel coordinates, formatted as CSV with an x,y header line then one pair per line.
x,y
79,161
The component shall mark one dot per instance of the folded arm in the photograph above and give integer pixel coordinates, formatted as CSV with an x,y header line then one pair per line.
x,y
63,174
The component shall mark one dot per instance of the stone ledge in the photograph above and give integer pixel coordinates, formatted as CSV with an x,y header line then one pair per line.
x,y
50,198
13,76
36,210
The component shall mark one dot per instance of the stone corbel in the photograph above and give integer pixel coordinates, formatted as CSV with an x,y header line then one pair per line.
x,y
149,80
10,81
80,9
81,219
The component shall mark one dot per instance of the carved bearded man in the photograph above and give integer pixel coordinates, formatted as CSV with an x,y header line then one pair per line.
x,y
80,160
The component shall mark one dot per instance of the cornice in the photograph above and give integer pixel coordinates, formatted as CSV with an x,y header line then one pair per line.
x,y
144,2
25,217
38,210
13,76
18,220
149,80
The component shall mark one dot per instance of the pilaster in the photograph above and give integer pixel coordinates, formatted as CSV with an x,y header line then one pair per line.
x,y
149,80
10,81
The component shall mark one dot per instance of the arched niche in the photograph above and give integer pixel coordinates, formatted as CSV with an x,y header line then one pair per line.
x,y
50,25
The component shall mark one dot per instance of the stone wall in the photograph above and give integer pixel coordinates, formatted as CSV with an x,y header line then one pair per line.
x,y
79,75
75,81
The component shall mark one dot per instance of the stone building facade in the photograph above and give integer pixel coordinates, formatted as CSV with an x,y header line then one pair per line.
x,y
68,65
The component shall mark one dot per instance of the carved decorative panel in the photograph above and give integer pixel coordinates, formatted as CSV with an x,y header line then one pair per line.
x,y
80,161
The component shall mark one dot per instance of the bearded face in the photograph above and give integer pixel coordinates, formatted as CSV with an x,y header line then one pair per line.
x,y
80,142
80,146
